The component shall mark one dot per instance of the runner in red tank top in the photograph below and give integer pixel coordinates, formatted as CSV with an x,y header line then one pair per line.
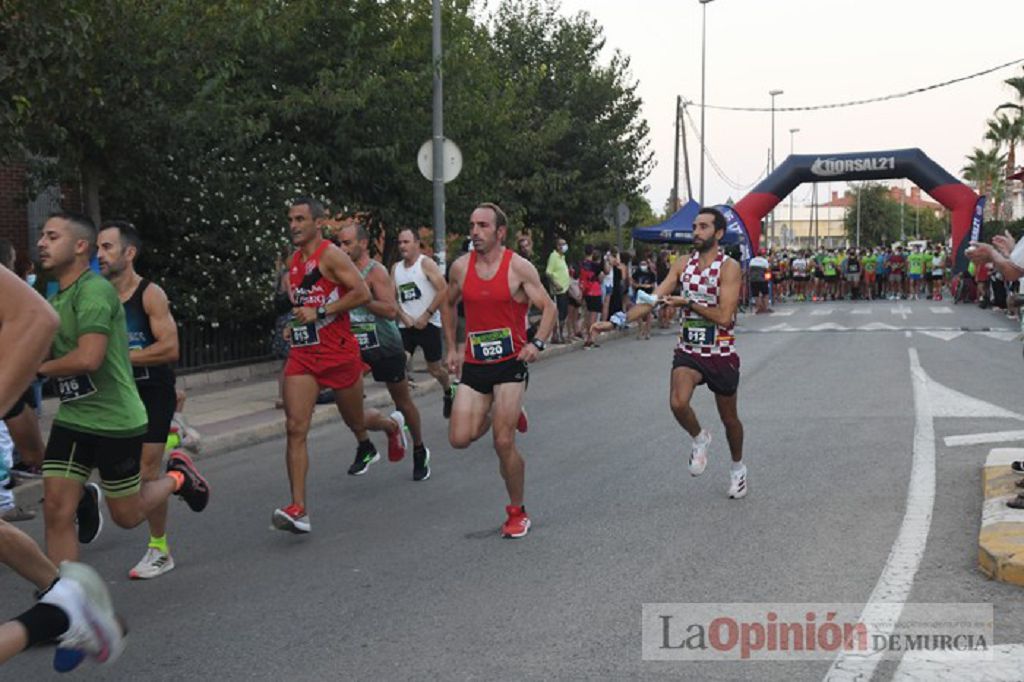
x,y
325,286
497,287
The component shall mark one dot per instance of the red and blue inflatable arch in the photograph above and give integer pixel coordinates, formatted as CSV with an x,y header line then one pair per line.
x,y
963,203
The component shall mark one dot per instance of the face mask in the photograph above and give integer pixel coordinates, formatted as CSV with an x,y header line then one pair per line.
x,y
643,268
31,279
564,248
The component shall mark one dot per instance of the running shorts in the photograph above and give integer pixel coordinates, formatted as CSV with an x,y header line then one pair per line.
x,y
389,370
759,288
483,378
74,454
160,401
328,376
721,372
428,338
593,303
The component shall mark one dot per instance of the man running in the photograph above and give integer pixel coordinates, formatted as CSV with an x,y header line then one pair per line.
x,y
496,287
421,293
324,353
153,350
380,344
73,603
101,422
706,351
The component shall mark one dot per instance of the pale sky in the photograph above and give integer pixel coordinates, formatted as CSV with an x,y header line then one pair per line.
x,y
817,52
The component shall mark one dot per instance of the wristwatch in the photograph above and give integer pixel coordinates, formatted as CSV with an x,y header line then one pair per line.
x,y
539,344
321,312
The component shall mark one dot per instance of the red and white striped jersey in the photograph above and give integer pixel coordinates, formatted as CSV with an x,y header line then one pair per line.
x,y
697,335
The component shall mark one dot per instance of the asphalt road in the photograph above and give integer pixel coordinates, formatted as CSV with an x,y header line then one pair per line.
x,y
402,580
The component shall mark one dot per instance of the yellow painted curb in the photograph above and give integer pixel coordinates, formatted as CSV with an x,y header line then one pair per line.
x,y
1001,538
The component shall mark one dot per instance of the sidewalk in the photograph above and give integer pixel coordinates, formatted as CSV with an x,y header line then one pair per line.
x,y
234,408
1001,538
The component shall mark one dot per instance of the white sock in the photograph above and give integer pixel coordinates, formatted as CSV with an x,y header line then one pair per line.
x,y
737,466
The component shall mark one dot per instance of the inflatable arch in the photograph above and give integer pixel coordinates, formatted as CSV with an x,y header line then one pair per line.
x,y
963,203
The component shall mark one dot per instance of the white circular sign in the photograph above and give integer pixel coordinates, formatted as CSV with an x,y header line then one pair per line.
x,y
452,160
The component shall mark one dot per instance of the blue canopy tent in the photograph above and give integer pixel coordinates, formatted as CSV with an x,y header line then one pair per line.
x,y
679,230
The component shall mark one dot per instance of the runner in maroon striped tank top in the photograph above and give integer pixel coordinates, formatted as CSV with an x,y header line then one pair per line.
x,y
497,287
710,288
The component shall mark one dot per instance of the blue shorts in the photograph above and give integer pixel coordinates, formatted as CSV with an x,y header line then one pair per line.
x,y
915,277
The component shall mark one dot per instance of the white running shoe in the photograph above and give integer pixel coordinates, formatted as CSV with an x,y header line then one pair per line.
x,y
154,564
738,483
699,453
93,627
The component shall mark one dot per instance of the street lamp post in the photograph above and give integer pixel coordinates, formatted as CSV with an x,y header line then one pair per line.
x,y
440,239
771,169
792,132
703,59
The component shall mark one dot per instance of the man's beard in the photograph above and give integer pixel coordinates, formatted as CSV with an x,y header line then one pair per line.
x,y
704,247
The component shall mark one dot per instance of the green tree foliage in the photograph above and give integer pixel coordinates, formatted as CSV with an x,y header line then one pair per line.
x,y
199,119
880,218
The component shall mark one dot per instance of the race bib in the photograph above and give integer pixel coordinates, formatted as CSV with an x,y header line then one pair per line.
x,y
699,333
409,292
492,345
366,335
73,388
305,335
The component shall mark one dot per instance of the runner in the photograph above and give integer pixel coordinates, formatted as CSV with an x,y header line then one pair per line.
x,y
380,344
937,270
800,276
324,353
897,264
101,422
421,293
497,287
867,264
705,354
916,263
73,604
153,350
851,274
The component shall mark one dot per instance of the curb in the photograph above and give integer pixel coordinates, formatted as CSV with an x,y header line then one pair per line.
x,y
1001,538
29,495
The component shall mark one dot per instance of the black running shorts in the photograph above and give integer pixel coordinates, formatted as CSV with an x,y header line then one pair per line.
x,y
428,338
721,372
593,303
74,454
389,370
759,288
483,378
160,401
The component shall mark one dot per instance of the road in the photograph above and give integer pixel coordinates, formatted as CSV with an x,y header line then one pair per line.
x,y
402,580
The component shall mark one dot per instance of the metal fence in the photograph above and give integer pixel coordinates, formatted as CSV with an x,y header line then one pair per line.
x,y
205,345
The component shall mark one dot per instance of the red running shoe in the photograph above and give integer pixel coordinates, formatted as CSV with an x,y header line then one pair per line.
x,y
523,425
292,518
518,523
398,442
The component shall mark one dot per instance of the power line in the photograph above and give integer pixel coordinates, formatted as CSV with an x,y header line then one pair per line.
x,y
871,100
714,164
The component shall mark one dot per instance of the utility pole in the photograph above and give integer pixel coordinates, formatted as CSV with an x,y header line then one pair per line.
x,y
440,240
675,165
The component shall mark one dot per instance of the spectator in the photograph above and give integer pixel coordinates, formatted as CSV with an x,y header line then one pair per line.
x,y
643,280
591,272
759,269
557,272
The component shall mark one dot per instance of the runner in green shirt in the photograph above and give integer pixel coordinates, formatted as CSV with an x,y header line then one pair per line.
x,y
915,267
101,421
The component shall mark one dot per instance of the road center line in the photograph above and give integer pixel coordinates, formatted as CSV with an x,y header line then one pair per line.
x,y
893,587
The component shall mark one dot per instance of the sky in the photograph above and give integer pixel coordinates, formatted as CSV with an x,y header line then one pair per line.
x,y
816,52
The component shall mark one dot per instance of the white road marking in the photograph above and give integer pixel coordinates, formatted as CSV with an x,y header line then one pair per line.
x,y
827,326
945,336
893,587
941,310
1006,665
980,438
1003,457
907,334
902,311
1002,336
821,311
861,311
783,313
875,326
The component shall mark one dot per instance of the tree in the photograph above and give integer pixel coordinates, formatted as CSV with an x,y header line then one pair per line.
x,y
879,215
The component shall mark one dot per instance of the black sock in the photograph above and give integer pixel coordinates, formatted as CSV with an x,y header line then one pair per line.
x,y
366,446
419,449
44,623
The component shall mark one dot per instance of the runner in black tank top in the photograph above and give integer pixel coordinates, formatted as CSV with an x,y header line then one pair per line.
x,y
153,348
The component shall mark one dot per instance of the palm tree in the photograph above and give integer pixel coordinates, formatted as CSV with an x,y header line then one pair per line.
x,y
1003,130
984,170
1015,131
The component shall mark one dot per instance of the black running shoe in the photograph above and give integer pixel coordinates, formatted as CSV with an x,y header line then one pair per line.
x,y
421,464
1017,466
363,461
88,514
195,490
